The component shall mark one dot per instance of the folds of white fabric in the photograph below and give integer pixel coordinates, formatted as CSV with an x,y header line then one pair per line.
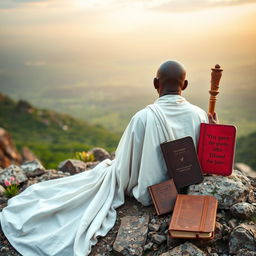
x,y
63,217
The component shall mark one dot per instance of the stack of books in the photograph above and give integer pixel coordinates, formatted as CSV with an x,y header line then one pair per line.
x,y
194,216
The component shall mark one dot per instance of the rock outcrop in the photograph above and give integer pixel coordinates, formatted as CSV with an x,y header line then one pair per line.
x,y
138,231
8,152
228,190
28,155
132,235
33,168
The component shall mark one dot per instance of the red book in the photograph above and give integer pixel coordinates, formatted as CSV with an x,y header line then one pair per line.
x,y
216,148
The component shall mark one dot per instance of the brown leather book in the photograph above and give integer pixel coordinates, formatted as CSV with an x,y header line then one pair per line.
x,y
194,216
163,196
182,161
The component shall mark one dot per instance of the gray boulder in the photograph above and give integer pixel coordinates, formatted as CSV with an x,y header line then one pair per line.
x,y
228,190
243,237
33,168
187,249
13,171
243,210
72,166
100,154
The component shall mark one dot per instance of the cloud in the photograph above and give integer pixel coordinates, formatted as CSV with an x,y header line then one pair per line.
x,y
8,4
196,5
36,63
161,5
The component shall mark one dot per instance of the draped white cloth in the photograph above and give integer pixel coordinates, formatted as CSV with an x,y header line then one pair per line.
x,y
63,217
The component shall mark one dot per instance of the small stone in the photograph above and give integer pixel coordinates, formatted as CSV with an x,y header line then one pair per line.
x,y
220,216
184,249
2,190
209,249
243,210
109,247
153,220
72,166
153,227
232,223
244,252
132,235
226,232
218,231
164,227
242,237
155,247
33,168
4,249
158,239
148,246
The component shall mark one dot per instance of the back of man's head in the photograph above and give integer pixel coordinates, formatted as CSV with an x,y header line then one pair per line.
x,y
170,78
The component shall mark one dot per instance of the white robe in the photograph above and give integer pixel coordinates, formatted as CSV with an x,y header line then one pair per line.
x,y
63,217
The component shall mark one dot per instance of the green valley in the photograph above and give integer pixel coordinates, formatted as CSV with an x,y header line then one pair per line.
x,y
52,136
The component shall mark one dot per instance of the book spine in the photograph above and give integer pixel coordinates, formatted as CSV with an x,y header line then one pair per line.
x,y
176,212
200,148
154,201
166,161
234,147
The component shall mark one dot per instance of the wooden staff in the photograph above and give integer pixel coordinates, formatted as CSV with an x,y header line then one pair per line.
x,y
215,80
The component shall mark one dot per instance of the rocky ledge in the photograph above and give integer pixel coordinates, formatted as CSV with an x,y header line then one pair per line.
x,y
139,231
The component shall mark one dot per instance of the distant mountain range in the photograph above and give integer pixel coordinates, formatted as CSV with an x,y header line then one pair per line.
x,y
52,136
113,106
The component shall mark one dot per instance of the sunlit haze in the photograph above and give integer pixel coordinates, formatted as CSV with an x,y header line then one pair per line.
x,y
58,44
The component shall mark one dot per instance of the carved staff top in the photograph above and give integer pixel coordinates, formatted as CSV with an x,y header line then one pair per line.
x,y
215,80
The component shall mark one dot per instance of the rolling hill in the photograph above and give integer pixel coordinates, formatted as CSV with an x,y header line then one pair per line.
x,y
52,136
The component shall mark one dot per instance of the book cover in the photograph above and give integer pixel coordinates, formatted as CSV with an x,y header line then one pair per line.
x,y
163,196
216,148
194,216
182,161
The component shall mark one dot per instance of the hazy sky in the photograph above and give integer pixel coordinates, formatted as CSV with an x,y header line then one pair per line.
x,y
70,43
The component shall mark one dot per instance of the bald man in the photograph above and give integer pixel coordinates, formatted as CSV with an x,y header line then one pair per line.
x,y
63,217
